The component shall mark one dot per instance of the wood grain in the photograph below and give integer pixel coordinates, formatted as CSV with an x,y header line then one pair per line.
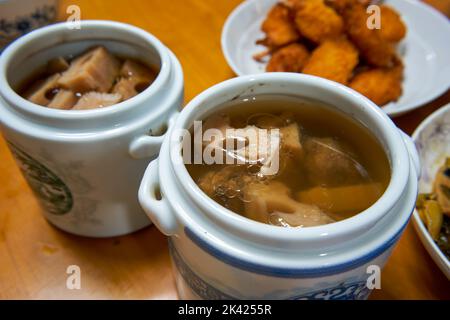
x,y
34,255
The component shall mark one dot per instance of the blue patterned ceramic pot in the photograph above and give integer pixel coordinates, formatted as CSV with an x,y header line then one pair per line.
x,y
218,254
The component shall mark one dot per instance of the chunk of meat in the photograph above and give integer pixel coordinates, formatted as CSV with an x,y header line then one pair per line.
x,y
373,48
392,27
316,21
279,28
291,58
270,149
344,200
226,185
136,70
334,60
442,187
381,85
340,5
249,145
126,88
93,100
291,141
42,92
95,70
272,203
64,99
329,162
57,65
136,77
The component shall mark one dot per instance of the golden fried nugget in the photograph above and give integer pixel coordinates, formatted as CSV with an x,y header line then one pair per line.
x,y
279,27
380,85
373,48
392,27
340,5
291,58
316,21
334,59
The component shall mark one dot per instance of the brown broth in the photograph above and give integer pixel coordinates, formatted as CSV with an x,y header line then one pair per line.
x,y
332,192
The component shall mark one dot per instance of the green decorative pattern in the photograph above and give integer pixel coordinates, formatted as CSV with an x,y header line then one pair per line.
x,y
52,192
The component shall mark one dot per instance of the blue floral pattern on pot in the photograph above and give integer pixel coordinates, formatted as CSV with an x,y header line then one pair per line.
x,y
356,290
20,25
197,284
52,192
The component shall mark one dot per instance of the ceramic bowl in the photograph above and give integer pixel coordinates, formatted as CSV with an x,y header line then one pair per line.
x,y
432,139
219,254
85,165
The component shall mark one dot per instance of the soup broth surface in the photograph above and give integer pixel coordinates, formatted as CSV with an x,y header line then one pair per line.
x,y
330,167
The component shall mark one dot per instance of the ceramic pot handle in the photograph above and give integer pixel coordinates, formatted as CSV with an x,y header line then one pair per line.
x,y
148,146
156,208
413,154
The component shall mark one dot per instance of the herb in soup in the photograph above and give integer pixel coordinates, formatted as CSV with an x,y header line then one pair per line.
x,y
330,167
95,79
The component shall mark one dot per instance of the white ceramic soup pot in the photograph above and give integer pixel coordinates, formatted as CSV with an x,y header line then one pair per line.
x,y
218,254
85,165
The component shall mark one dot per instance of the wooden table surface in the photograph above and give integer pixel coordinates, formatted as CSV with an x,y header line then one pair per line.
x,y
34,255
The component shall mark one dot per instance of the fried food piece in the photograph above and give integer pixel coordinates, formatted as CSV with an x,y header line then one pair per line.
x,y
392,27
279,27
380,85
340,5
334,60
291,58
373,48
316,21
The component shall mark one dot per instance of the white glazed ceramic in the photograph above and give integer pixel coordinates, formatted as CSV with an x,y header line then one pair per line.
x,y
425,50
85,166
220,254
22,16
432,139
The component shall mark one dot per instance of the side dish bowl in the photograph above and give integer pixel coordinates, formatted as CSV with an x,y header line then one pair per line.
x,y
432,139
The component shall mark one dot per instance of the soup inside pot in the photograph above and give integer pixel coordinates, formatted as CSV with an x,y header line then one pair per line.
x,y
94,79
287,162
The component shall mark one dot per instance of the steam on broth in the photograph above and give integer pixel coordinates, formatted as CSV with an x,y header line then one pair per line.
x,y
330,167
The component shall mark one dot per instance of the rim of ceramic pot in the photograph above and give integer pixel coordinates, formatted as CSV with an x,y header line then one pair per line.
x,y
29,42
390,137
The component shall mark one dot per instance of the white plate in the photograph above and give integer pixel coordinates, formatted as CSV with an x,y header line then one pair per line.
x,y
425,50
432,139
